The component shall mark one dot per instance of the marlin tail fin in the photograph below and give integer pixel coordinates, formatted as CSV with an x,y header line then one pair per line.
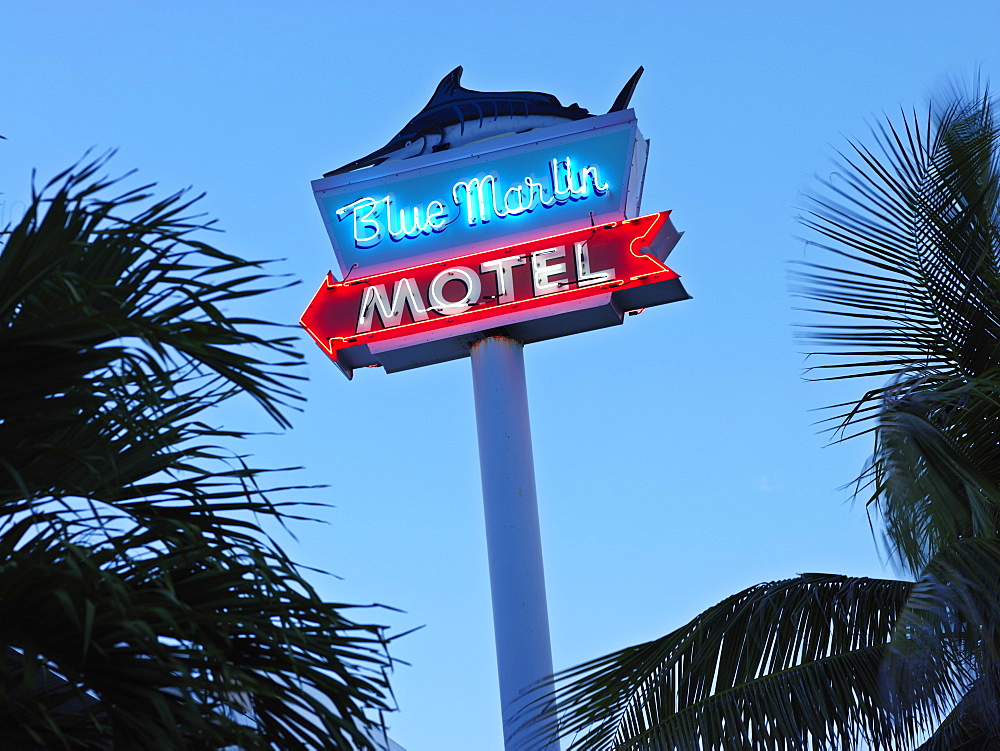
x,y
621,103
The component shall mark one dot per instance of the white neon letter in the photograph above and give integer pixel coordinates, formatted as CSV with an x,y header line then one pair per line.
x,y
473,288
404,231
505,277
561,193
542,272
536,190
513,209
475,202
595,180
436,216
405,292
395,234
367,230
473,210
584,276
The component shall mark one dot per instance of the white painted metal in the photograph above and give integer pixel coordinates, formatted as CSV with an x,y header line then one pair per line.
x,y
517,580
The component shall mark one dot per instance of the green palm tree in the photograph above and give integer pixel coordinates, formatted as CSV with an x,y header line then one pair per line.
x,y
142,605
910,294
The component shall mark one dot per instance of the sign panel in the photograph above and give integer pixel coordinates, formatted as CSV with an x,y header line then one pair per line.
x,y
428,208
563,284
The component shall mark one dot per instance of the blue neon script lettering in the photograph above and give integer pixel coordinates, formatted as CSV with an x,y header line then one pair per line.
x,y
483,199
399,223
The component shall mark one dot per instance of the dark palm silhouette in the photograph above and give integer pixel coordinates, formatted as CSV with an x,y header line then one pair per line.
x,y
143,607
910,294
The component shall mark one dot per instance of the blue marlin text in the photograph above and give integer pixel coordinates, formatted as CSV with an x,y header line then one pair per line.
x,y
477,201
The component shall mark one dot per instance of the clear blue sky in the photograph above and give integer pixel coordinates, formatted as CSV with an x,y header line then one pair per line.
x,y
677,457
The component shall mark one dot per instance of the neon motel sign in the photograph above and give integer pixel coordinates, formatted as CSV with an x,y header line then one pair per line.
x,y
526,186
577,281
536,238
539,237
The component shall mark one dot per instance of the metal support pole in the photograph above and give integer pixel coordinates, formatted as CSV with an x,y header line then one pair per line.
x,y
517,580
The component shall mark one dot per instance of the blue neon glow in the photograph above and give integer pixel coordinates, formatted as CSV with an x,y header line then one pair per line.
x,y
419,214
483,198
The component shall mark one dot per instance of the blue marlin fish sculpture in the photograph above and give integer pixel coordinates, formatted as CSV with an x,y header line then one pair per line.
x,y
456,116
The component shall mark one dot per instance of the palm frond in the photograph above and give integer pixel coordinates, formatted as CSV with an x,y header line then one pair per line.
x,y
916,221
947,638
934,477
166,649
792,664
111,324
143,606
915,299
966,728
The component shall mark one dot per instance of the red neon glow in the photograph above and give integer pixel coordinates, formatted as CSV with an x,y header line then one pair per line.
x,y
332,318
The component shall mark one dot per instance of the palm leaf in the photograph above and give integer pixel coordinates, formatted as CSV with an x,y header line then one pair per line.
x,y
792,664
143,606
916,222
966,728
946,640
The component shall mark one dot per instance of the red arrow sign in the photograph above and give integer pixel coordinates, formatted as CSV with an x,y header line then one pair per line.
x,y
549,287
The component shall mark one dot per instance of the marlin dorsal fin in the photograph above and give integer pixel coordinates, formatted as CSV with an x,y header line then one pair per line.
x,y
448,86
